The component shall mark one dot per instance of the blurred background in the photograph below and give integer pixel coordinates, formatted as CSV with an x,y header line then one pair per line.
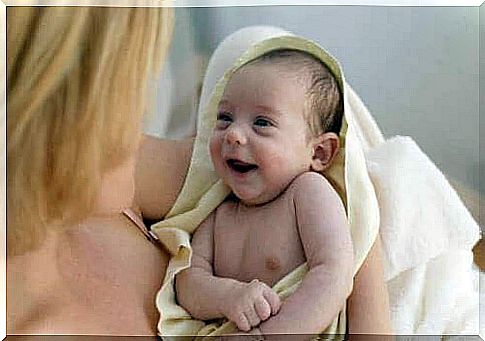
x,y
416,69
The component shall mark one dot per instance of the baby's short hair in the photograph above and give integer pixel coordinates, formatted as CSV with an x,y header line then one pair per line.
x,y
325,102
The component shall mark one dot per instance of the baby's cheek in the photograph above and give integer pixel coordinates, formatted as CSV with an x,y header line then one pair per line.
x,y
281,170
279,160
275,157
215,149
276,174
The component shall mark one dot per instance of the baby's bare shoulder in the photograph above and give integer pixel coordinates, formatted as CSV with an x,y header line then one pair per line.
x,y
313,189
311,182
309,178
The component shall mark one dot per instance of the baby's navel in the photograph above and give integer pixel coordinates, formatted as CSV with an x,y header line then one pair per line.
x,y
272,263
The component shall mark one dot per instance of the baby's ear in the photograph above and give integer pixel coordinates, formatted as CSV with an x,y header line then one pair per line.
x,y
325,148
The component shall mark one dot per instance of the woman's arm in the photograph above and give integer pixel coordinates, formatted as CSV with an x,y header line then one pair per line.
x,y
160,173
368,305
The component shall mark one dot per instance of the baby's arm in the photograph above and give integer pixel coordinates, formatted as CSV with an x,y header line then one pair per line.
x,y
327,243
206,296
198,290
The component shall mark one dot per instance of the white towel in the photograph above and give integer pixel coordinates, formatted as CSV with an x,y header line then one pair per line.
x,y
427,236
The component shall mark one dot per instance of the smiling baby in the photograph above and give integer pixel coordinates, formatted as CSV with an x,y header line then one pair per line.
x,y
276,132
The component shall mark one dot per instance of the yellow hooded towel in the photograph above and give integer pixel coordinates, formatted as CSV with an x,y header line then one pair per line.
x,y
203,191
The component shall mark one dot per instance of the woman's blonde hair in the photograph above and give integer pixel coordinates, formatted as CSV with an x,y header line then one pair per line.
x,y
76,89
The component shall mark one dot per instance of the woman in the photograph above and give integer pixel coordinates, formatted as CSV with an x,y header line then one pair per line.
x,y
76,91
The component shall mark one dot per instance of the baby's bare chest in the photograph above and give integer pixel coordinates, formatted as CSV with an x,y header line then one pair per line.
x,y
257,242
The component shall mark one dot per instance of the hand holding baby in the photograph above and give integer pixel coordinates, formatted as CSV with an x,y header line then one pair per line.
x,y
248,304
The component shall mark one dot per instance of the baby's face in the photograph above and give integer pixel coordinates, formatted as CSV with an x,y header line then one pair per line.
x,y
259,144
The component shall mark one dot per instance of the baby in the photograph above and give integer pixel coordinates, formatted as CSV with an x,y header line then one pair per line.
x,y
276,131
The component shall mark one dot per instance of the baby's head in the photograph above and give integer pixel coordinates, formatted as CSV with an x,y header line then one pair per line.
x,y
323,104
279,116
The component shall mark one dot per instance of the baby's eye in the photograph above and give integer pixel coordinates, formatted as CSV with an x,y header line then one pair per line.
x,y
224,116
263,122
223,120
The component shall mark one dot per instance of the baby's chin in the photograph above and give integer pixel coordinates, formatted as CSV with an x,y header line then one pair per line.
x,y
255,199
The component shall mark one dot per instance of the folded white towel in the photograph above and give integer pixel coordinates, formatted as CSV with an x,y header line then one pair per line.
x,y
421,214
427,236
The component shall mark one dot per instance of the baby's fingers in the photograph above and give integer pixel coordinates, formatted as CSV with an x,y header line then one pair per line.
x,y
242,322
273,299
252,317
263,309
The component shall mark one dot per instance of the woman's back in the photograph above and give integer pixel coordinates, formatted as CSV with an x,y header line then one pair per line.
x,y
98,277
77,90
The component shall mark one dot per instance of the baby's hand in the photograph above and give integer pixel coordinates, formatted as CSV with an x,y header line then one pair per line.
x,y
250,303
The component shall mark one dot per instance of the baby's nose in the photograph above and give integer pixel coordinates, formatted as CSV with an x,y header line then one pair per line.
x,y
236,136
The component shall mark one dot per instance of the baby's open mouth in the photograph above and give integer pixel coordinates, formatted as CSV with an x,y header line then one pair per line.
x,y
240,166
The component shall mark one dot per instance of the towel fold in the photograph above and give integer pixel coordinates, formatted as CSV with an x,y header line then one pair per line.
x,y
284,288
421,214
427,236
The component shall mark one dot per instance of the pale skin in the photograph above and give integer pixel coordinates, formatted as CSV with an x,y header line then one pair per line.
x,y
262,149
